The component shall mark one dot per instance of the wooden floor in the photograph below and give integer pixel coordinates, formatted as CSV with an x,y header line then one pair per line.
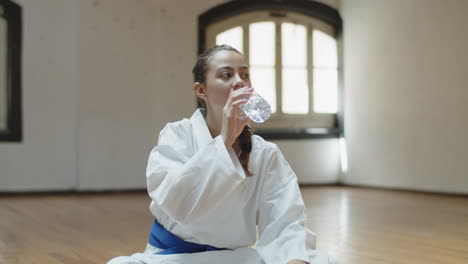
x,y
359,226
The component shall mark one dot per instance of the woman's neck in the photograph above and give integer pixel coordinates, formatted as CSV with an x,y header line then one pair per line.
x,y
214,126
214,130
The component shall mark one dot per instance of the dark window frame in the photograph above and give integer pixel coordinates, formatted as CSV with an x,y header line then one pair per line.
x,y
305,7
12,13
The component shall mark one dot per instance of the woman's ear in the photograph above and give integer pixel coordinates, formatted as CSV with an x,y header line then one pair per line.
x,y
199,89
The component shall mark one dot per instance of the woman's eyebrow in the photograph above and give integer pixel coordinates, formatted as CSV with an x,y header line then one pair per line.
x,y
224,68
231,69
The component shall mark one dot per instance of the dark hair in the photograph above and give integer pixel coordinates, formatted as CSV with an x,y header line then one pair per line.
x,y
199,75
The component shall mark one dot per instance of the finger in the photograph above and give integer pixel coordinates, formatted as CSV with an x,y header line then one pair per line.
x,y
241,90
239,102
238,112
244,94
233,109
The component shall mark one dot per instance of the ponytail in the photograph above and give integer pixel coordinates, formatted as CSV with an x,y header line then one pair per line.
x,y
245,142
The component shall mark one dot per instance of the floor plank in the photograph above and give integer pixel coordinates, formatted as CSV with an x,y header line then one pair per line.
x,y
358,225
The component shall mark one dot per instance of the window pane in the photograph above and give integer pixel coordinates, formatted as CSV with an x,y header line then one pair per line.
x,y
295,92
324,50
263,80
262,43
294,44
232,37
325,90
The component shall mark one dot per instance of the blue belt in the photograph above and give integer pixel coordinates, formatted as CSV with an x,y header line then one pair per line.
x,y
171,244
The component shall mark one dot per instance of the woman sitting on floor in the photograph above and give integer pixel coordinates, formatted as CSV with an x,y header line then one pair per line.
x,y
212,182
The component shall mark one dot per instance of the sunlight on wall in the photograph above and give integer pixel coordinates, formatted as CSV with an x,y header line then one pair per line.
x,y
343,155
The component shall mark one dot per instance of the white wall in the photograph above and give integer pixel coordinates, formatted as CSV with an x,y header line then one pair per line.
x,y
118,87
406,93
46,159
315,161
100,80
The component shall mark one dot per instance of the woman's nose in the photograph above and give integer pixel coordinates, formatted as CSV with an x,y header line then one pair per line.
x,y
238,83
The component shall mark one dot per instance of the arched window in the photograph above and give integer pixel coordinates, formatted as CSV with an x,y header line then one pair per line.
x,y
292,50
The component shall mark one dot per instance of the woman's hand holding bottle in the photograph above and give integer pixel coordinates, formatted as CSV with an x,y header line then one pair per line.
x,y
233,123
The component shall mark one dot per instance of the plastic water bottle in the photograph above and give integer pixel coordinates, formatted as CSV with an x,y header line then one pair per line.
x,y
257,108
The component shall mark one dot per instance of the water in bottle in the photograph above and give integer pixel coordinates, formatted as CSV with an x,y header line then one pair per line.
x,y
257,108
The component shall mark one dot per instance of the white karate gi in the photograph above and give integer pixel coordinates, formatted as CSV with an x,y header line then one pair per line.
x,y
200,193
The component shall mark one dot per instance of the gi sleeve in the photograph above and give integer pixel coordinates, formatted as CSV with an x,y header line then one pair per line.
x,y
187,188
282,214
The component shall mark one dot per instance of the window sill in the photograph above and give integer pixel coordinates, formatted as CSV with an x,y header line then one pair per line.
x,y
305,133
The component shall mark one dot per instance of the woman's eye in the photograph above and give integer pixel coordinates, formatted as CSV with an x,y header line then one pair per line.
x,y
225,75
246,75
